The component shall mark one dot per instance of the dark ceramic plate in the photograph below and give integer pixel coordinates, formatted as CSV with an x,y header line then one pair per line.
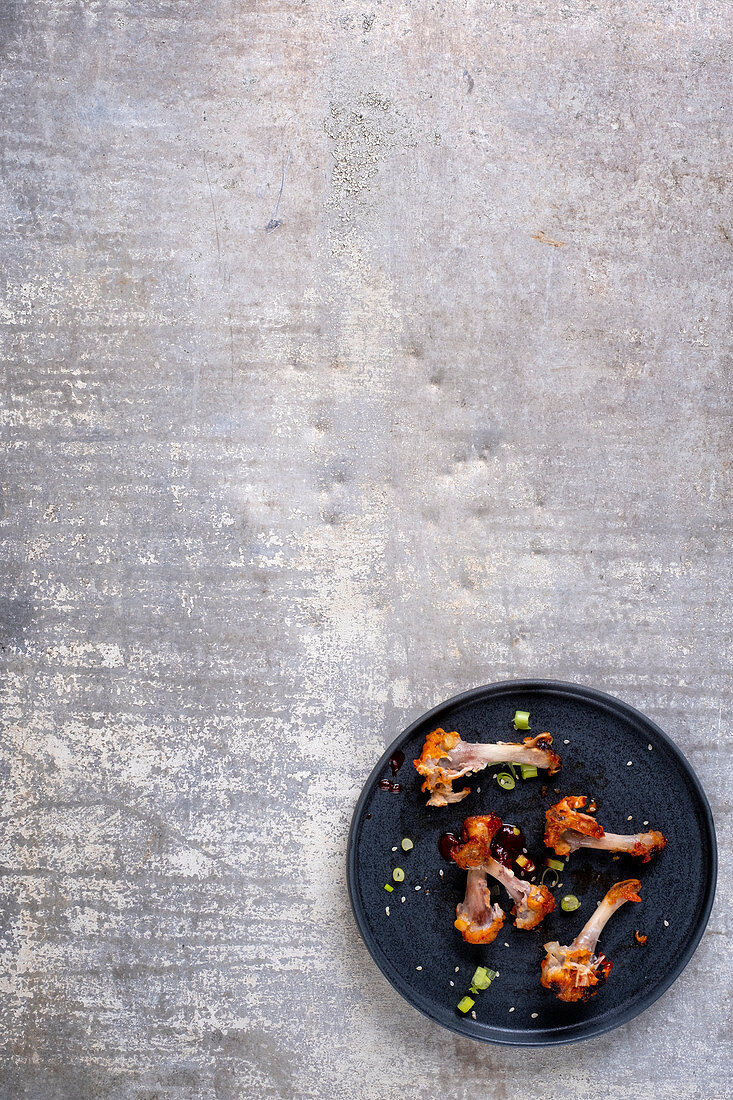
x,y
416,946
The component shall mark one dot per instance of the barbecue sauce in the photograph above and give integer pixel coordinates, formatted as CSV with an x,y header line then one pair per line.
x,y
447,844
509,842
396,761
389,785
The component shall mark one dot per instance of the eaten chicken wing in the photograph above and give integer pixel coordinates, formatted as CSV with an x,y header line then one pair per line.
x,y
477,919
532,903
576,973
445,757
567,830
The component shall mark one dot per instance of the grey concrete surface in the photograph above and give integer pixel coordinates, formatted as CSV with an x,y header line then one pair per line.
x,y
353,355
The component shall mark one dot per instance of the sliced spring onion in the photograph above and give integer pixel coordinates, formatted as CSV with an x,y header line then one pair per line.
x,y
505,780
398,874
569,903
480,979
521,719
465,1004
388,887
406,844
511,769
529,771
556,877
491,974
555,864
474,990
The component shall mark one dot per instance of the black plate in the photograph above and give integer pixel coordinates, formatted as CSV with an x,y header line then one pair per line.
x,y
416,946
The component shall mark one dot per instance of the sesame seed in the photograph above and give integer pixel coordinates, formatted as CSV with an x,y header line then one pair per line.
x,y
473,1013
646,822
629,818
478,790
506,944
511,1009
628,763
666,924
386,909
566,741
456,970
418,968
452,983
418,887
402,900
535,1015
441,872
649,747
394,849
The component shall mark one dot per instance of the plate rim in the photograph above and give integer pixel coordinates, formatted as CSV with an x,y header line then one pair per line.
x,y
586,693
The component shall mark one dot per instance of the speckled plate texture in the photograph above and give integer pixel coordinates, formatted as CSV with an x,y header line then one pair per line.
x,y
635,773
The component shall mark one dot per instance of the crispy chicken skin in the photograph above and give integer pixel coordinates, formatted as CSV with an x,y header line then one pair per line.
x,y
477,919
532,903
445,757
438,778
576,973
565,817
567,829
477,833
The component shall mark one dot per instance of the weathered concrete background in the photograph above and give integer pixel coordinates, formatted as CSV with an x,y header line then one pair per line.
x,y
354,355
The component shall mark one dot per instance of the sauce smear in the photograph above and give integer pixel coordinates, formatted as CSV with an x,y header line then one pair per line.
x,y
509,842
396,761
388,785
447,844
